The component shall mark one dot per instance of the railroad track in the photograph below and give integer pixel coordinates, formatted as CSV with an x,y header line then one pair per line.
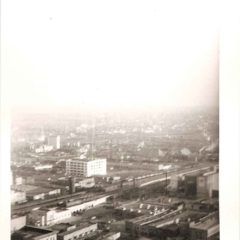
x,y
27,207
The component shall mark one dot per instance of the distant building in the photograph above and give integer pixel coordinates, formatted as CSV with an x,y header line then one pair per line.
x,y
29,180
17,222
21,180
164,167
111,187
44,148
18,180
34,233
86,183
35,192
17,196
43,167
86,168
54,141
113,179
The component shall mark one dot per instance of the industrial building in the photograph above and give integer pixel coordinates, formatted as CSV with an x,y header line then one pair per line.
x,y
18,196
163,221
72,183
190,187
139,225
175,224
85,183
18,222
84,205
208,205
86,167
206,228
202,185
82,231
197,184
33,192
19,180
34,233
207,185
63,227
47,217
50,216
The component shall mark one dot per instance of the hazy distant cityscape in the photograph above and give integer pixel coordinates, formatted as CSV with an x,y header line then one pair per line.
x,y
115,176
114,119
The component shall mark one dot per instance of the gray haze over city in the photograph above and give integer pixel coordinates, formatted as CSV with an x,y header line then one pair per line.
x,y
114,120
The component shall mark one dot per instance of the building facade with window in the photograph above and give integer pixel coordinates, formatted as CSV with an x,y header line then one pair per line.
x,y
86,168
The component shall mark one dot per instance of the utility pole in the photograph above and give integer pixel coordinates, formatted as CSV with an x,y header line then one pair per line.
x,y
166,183
93,129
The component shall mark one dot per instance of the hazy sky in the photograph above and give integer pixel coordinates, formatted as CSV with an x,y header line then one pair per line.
x,y
110,54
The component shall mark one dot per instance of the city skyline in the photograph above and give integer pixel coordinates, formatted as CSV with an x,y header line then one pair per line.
x,y
119,120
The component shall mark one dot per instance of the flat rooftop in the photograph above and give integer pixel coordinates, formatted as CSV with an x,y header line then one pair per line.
x,y
143,208
79,227
181,216
15,216
24,188
207,224
62,227
30,232
33,189
145,219
87,159
56,209
40,190
210,201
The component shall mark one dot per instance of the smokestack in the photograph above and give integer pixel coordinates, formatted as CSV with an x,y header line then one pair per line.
x,y
13,178
71,185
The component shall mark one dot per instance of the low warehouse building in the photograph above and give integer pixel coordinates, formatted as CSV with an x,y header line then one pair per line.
x,y
79,232
34,233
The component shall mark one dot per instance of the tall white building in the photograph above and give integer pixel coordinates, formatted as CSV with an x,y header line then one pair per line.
x,y
85,167
54,141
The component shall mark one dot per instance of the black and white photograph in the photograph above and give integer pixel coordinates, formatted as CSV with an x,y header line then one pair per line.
x,y
112,121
